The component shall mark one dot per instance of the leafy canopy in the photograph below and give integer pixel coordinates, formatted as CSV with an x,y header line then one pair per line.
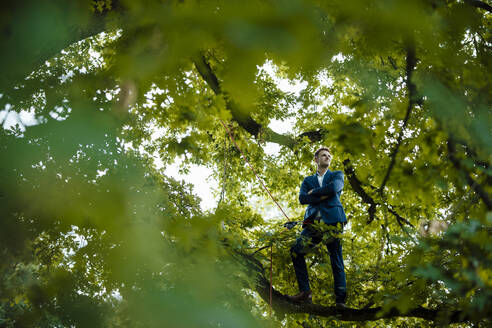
x,y
94,234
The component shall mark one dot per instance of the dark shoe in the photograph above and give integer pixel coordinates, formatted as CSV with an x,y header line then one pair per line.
x,y
301,297
341,306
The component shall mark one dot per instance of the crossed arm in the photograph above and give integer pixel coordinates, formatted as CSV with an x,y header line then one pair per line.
x,y
316,195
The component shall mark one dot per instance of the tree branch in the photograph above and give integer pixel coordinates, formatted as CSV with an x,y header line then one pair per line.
x,y
472,183
282,305
356,185
471,153
392,62
411,61
314,136
400,218
479,4
244,120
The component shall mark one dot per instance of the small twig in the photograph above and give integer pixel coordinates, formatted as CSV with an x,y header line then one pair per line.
x,y
222,193
260,249
392,62
399,218
484,41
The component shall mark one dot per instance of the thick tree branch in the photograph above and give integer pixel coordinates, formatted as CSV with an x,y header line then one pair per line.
x,y
412,99
245,120
241,117
207,74
479,4
282,305
472,183
314,136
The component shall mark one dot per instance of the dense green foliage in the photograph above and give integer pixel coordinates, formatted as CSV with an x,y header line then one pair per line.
x,y
93,234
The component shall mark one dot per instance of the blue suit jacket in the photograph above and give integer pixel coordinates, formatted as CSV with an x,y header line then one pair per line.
x,y
331,208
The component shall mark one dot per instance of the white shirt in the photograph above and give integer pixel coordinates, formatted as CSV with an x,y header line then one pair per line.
x,y
320,180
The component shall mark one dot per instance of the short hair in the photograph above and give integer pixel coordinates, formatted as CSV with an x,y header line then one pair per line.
x,y
320,149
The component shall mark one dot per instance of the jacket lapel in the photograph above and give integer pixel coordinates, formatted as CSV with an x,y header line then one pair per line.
x,y
326,177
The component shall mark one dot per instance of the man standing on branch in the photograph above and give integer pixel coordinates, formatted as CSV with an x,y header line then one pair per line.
x,y
323,221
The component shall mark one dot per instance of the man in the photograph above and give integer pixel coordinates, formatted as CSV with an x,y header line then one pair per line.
x,y
322,194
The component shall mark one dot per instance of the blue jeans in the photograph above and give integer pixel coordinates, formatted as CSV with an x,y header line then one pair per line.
x,y
310,237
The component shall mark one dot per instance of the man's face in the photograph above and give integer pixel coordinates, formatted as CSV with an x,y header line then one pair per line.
x,y
323,159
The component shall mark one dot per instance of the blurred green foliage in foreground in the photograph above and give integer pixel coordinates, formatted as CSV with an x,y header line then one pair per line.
x,y
93,234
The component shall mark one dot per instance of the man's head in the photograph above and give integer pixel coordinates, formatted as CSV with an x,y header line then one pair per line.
x,y
322,157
